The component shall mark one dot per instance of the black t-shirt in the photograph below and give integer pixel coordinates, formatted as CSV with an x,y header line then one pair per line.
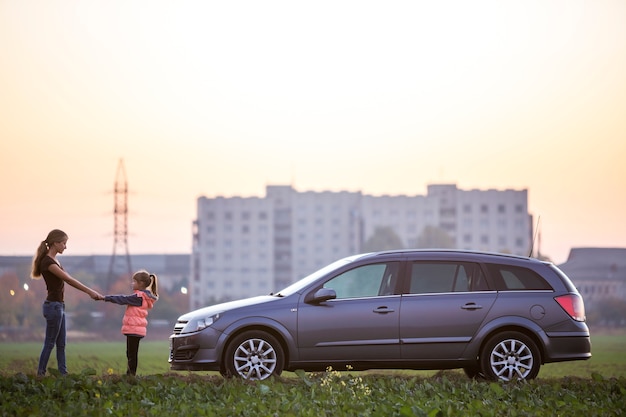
x,y
54,284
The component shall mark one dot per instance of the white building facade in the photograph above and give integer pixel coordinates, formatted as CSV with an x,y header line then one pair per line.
x,y
244,247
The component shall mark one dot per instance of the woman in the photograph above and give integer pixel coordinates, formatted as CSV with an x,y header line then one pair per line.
x,y
46,264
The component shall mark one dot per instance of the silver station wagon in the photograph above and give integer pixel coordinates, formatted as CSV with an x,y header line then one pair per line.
x,y
495,316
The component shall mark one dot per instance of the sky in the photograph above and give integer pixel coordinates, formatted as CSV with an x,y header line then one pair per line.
x,y
201,98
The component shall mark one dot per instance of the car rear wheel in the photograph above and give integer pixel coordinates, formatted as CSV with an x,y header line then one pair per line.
x,y
254,355
510,355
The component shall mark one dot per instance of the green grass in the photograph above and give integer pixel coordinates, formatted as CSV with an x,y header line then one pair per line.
x,y
110,357
104,357
97,386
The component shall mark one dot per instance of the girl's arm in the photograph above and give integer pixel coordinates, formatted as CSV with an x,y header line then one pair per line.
x,y
56,270
131,300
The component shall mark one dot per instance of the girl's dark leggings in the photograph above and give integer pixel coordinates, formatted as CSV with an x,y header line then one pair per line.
x,y
132,351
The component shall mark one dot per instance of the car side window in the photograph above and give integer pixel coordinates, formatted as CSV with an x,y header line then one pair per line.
x,y
365,281
515,278
440,277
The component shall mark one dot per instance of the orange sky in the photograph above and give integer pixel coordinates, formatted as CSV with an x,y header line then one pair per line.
x,y
224,98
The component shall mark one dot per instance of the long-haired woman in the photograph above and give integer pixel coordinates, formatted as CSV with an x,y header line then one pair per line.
x,y
46,265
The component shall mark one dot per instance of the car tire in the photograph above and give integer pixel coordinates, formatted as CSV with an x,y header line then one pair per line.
x,y
254,355
473,372
508,356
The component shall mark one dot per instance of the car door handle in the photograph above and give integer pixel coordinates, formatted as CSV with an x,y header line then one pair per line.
x,y
471,306
383,310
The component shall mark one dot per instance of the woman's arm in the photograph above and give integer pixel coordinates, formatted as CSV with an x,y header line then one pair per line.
x,y
56,270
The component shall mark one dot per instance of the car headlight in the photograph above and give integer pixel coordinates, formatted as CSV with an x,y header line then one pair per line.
x,y
205,322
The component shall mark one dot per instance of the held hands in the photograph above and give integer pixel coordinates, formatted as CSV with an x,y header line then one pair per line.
x,y
96,295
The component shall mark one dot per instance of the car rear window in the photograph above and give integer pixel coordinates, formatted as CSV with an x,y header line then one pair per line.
x,y
440,277
515,278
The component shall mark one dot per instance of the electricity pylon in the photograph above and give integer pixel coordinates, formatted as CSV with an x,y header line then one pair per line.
x,y
120,226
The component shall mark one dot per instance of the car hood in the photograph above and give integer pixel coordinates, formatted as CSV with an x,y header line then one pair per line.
x,y
231,305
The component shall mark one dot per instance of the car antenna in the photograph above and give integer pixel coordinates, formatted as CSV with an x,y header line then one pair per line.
x,y
532,246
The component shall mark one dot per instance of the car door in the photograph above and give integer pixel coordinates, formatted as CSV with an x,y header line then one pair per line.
x,y
360,324
444,306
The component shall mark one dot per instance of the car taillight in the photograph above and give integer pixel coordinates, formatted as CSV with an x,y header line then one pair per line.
x,y
573,305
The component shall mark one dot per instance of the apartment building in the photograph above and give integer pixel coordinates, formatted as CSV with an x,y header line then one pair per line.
x,y
247,246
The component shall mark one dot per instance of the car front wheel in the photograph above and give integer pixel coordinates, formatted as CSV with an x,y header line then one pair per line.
x,y
472,372
254,355
510,355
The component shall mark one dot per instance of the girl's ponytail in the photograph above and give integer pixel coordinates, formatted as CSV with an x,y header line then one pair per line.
x,y
153,285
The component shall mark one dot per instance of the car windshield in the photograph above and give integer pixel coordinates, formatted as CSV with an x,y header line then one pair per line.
x,y
304,282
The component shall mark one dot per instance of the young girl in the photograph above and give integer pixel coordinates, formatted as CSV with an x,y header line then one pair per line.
x,y
135,320
46,265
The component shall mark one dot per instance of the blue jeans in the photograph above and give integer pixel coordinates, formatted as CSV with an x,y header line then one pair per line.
x,y
54,312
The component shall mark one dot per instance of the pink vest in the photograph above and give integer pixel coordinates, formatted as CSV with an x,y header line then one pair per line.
x,y
135,319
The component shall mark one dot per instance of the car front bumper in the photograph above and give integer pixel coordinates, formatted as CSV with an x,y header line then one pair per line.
x,y
195,351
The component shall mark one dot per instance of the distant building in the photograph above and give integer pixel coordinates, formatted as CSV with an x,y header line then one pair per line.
x,y
598,273
247,246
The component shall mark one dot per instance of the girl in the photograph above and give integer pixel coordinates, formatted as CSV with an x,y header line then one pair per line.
x,y
135,320
45,264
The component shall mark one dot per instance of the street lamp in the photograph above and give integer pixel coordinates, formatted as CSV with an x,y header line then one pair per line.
x,y
26,287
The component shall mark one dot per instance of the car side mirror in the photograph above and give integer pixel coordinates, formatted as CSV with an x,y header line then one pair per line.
x,y
321,295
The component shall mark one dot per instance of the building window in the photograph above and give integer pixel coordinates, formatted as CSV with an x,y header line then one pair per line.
x,y
484,208
448,212
501,208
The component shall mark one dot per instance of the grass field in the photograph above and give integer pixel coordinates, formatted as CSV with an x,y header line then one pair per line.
x,y
97,386
109,357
